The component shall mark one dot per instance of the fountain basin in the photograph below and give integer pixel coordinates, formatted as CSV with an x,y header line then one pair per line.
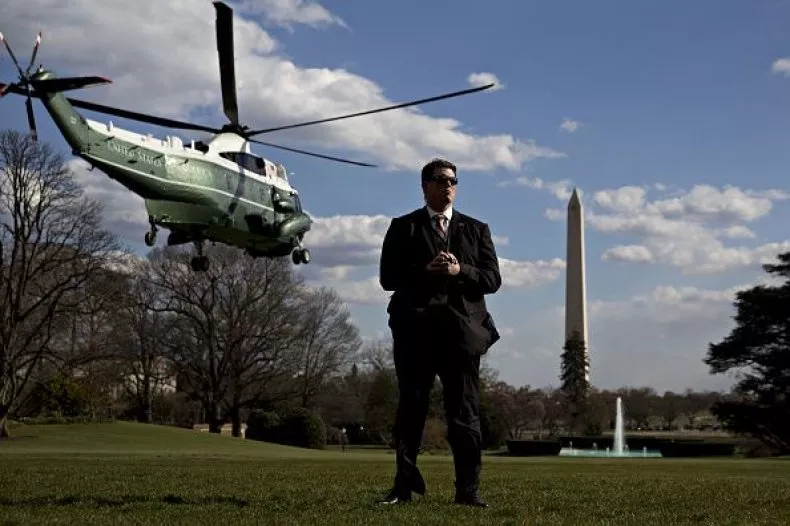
x,y
603,453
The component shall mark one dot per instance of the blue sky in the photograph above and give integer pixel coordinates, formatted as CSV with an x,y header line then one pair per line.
x,y
666,97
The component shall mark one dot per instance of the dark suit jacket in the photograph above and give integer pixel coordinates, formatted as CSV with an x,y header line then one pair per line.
x,y
420,297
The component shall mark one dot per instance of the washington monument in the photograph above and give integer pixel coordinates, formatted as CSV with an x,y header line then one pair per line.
x,y
575,282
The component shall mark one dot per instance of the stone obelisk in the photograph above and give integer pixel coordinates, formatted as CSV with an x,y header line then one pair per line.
x,y
575,282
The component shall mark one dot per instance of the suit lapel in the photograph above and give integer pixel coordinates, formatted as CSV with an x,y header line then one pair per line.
x,y
426,228
455,231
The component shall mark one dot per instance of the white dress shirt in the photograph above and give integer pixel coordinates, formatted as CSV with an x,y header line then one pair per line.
x,y
447,214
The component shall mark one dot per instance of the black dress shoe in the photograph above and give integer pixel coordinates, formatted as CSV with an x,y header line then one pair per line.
x,y
470,499
396,496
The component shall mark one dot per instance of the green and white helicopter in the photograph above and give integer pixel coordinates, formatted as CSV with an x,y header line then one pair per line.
x,y
218,190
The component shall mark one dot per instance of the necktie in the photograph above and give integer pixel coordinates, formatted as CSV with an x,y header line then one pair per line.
x,y
440,225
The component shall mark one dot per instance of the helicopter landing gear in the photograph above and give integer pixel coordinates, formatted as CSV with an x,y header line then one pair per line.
x,y
150,236
300,255
199,263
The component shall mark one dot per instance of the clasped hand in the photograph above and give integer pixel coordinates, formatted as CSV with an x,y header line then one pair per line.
x,y
444,263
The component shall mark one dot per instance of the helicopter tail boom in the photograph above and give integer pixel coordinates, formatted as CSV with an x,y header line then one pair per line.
x,y
71,124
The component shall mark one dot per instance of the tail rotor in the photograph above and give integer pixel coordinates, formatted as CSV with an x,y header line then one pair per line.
x,y
24,82
33,85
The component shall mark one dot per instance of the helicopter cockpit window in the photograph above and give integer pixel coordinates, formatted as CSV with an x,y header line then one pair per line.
x,y
231,156
201,146
246,161
281,172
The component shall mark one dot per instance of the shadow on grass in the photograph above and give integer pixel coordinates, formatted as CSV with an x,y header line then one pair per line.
x,y
106,502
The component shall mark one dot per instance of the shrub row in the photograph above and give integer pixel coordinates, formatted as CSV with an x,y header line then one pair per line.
x,y
295,426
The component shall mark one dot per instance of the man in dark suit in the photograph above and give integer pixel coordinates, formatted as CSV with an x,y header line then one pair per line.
x,y
440,264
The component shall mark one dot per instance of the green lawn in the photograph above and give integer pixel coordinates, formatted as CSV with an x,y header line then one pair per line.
x,y
128,473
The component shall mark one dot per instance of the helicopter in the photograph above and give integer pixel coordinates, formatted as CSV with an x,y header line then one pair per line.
x,y
215,190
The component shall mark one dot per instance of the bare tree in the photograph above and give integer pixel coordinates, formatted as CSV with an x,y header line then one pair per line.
x,y
87,337
140,332
327,340
377,354
514,405
51,245
549,410
234,327
263,311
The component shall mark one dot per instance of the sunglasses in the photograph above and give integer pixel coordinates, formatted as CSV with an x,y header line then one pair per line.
x,y
443,180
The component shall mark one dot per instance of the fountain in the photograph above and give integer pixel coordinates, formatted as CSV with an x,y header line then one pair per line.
x,y
619,448
619,428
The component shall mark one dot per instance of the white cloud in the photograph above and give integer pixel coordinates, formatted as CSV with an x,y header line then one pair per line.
x,y
288,12
570,125
560,189
529,274
781,66
346,240
179,75
555,214
623,199
709,203
683,231
507,331
628,253
339,272
361,292
738,232
702,202
667,304
481,79
774,195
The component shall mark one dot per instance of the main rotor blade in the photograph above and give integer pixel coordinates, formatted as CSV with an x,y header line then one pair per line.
x,y
142,117
68,83
227,70
118,112
338,159
379,110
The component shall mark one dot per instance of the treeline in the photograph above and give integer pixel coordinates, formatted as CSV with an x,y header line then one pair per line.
x,y
507,412
88,332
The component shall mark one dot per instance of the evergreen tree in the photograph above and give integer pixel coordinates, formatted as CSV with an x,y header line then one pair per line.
x,y
575,386
759,345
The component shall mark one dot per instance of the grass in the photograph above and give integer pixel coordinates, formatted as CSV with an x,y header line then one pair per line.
x,y
126,473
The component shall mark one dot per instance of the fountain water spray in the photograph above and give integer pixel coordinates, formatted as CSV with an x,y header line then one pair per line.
x,y
619,449
619,429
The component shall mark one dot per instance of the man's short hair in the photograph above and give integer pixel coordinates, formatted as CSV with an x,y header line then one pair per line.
x,y
428,169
